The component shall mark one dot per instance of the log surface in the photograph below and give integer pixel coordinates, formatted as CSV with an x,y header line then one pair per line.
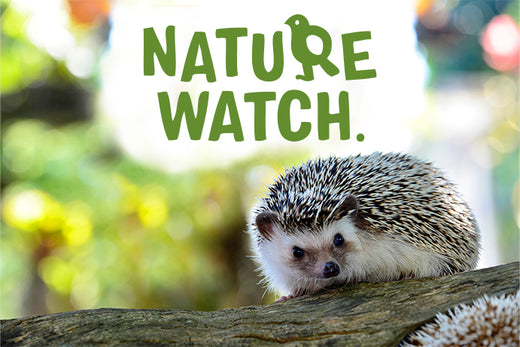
x,y
360,314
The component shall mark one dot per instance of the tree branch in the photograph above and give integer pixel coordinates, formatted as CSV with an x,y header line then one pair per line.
x,y
361,314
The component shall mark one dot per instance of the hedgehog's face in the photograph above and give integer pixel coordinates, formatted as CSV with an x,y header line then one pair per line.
x,y
305,261
318,259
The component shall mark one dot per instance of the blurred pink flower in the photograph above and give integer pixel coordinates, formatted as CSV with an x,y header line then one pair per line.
x,y
501,43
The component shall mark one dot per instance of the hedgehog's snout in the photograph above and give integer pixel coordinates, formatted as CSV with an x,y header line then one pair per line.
x,y
330,269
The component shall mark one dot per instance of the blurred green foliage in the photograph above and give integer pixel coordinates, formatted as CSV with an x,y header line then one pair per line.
x,y
16,72
101,230
507,185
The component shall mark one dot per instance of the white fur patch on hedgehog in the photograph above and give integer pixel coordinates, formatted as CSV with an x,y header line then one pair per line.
x,y
489,321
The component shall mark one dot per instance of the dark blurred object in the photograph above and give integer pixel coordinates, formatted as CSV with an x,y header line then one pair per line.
x,y
56,103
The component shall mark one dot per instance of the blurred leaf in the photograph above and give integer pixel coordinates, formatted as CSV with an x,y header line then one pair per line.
x,y
21,62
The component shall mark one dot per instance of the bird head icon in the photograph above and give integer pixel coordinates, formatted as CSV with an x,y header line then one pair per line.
x,y
296,21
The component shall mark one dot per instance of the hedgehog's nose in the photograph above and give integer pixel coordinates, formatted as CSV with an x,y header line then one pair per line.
x,y
330,270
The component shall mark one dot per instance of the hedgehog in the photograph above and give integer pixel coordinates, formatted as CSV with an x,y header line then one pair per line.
x,y
365,218
488,321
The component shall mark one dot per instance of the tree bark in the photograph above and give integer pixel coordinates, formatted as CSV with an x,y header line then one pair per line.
x,y
360,314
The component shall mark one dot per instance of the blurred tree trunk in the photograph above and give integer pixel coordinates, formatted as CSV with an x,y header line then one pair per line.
x,y
361,314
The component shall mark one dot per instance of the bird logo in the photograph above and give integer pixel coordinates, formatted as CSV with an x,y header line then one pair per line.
x,y
300,30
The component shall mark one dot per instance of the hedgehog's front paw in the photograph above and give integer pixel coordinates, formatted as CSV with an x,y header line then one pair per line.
x,y
282,298
296,294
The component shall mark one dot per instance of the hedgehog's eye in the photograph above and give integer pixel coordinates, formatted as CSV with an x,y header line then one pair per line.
x,y
338,240
298,252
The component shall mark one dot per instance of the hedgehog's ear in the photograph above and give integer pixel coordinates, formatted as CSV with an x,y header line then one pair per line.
x,y
349,207
265,222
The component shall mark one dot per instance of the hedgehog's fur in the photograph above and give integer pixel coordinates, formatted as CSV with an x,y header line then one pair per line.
x,y
399,217
487,322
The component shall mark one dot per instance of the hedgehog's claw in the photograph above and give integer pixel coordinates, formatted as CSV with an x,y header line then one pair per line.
x,y
282,298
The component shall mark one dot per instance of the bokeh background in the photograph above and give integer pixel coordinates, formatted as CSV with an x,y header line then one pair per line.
x,y
94,217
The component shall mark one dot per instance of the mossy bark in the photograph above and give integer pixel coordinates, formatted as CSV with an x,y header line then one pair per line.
x,y
361,314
